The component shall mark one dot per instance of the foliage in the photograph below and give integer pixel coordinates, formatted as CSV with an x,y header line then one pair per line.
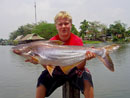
x,y
91,42
83,27
74,30
45,30
96,29
48,30
93,30
117,28
1,40
22,30
127,33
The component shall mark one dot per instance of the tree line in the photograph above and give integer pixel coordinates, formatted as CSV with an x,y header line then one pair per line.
x,y
117,31
92,30
43,29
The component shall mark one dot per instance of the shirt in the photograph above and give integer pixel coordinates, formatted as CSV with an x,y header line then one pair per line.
x,y
73,40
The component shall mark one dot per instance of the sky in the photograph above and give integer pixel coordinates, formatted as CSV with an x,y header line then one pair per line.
x,y
15,13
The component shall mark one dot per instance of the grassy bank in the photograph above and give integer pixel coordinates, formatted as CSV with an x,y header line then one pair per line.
x,y
91,42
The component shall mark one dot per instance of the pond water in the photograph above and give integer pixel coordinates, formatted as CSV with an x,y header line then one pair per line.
x,y
18,79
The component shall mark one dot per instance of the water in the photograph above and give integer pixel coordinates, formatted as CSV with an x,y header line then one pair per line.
x,y
18,79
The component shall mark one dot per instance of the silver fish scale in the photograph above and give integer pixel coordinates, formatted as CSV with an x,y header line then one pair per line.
x,y
61,57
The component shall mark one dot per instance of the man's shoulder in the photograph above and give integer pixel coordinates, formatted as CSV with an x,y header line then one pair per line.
x,y
56,37
76,40
75,37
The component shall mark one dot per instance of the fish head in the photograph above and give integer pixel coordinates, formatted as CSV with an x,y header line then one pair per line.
x,y
28,51
21,49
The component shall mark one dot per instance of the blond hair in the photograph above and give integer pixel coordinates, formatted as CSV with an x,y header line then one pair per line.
x,y
63,14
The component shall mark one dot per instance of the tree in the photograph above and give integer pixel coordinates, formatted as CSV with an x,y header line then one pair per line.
x,y
13,35
45,30
22,30
74,30
48,30
127,33
117,30
83,27
96,29
1,40
93,30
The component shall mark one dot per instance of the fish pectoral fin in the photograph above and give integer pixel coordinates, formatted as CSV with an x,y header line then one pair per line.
x,y
33,60
50,69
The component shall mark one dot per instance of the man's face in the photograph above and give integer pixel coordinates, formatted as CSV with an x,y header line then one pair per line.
x,y
63,25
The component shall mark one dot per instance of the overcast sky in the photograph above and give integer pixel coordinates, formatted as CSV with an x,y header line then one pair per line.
x,y
15,13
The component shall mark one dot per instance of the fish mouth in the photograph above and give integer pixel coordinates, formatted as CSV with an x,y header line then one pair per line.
x,y
17,52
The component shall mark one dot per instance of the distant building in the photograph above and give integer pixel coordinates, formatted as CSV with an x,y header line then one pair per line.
x,y
32,37
18,38
28,38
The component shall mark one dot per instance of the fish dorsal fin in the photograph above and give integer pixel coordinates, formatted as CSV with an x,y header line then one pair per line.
x,y
56,42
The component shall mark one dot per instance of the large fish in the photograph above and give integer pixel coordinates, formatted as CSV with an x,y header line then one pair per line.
x,y
52,53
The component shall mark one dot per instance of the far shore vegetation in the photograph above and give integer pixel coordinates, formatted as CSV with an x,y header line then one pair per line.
x,y
91,42
89,31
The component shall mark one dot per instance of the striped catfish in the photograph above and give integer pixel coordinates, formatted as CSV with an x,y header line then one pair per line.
x,y
55,54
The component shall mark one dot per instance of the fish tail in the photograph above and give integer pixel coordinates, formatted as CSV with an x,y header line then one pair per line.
x,y
106,59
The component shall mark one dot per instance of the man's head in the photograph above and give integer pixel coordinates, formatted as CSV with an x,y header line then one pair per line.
x,y
63,14
63,22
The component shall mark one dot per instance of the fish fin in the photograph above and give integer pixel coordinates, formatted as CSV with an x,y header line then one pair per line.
x,y
50,69
35,59
56,42
107,61
67,68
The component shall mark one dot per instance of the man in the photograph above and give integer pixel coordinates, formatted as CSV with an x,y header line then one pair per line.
x,y
78,76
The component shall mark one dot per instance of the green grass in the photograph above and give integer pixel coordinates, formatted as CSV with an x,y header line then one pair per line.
x,y
91,42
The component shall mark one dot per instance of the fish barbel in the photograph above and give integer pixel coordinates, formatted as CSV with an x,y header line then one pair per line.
x,y
55,54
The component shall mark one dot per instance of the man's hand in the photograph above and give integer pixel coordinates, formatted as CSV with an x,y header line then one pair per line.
x,y
34,62
90,55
